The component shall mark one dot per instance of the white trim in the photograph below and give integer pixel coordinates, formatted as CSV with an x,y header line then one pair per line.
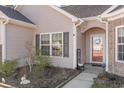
x,y
90,18
74,46
103,37
107,49
62,46
113,13
18,22
74,19
116,17
116,40
109,9
50,44
25,24
15,7
3,30
18,7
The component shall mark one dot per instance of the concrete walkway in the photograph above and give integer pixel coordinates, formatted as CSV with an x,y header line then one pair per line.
x,y
85,79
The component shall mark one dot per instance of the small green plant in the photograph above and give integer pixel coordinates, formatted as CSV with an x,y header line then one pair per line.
x,y
42,62
8,67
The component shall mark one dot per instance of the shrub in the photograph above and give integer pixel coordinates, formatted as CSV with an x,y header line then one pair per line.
x,y
42,62
8,67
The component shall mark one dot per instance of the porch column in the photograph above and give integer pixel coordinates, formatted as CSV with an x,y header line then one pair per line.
x,y
74,46
3,23
107,60
3,34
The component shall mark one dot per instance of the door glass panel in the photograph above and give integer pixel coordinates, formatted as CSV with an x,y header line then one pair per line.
x,y
97,49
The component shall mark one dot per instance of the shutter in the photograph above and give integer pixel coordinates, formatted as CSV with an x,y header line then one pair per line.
x,y
37,43
66,44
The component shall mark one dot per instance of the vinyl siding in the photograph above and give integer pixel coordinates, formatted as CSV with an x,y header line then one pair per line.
x,y
49,20
17,37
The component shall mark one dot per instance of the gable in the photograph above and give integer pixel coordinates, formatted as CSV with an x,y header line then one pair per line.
x,y
37,13
46,18
14,14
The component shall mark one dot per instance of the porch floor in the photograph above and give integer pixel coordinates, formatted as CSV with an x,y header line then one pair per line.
x,y
85,79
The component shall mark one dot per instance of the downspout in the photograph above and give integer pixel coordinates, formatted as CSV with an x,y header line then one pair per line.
x,y
107,49
75,63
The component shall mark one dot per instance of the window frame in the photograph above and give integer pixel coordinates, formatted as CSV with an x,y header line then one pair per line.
x,y
50,34
44,44
117,44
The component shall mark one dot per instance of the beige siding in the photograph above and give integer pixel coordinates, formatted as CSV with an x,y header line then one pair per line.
x,y
49,20
87,38
17,37
114,67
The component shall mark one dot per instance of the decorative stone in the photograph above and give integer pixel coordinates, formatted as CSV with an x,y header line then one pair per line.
x,y
24,80
3,80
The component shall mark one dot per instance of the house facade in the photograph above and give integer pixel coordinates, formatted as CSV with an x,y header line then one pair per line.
x,y
70,35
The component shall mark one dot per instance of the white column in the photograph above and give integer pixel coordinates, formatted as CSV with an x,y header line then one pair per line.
x,y
74,46
107,61
3,35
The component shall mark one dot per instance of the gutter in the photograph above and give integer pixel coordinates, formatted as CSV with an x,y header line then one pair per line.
x,y
17,22
25,24
107,49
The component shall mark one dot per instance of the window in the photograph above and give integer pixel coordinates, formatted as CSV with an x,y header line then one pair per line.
x,y
120,44
45,44
54,44
57,44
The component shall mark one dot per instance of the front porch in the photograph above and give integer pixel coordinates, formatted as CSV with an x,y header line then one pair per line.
x,y
91,43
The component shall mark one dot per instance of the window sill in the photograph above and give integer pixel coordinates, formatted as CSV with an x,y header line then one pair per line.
x,y
57,57
119,61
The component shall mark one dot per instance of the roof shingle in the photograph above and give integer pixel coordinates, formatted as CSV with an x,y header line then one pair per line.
x,y
82,11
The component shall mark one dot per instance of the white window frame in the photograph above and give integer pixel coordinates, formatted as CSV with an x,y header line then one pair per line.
x,y
51,42
40,40
116,44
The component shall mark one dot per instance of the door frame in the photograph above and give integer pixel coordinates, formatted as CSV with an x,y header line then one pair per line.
x,y
103,36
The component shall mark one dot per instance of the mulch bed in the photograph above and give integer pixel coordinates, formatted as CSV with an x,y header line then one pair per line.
x,y
48,78
107,80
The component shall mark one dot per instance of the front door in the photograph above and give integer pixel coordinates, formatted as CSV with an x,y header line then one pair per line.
x,y
97,48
